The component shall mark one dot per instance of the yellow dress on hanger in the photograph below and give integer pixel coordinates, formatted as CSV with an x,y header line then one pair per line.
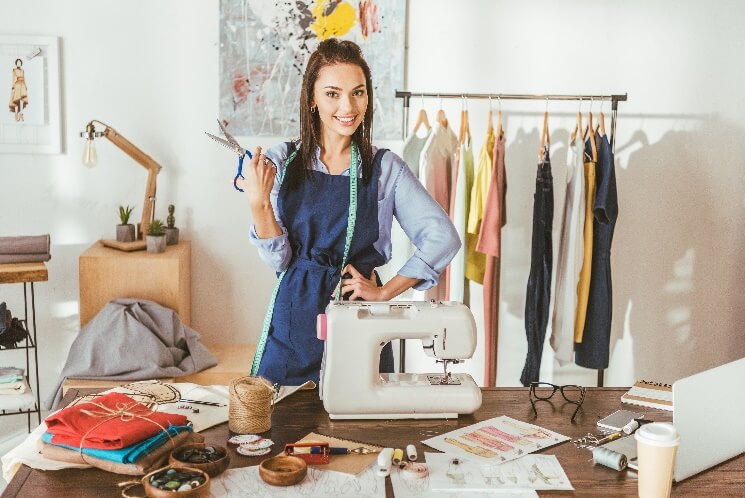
x,y
583,287
476,261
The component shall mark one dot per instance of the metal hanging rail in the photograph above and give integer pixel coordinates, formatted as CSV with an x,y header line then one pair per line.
x,y
406,96
509,96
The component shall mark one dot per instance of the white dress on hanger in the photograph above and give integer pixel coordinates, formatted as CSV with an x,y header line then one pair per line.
x,y
460,213
571,255
413,149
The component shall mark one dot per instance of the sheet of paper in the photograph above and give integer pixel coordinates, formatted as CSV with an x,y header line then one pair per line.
x,y
408,487
496,440
242,482
538,472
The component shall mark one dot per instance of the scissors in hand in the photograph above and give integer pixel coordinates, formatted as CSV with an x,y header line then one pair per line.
x,y
232,144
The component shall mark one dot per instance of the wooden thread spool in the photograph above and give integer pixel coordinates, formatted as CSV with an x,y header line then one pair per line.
x,y
250,409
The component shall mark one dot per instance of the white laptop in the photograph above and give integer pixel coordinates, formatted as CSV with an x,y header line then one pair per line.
x,y
709,414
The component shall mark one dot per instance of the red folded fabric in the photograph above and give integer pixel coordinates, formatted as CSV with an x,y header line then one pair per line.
x,y
105,426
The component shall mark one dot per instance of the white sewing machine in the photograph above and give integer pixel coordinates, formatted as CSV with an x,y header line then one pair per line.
x,y
355,333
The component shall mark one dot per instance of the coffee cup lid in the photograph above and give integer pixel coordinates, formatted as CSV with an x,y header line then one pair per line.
x,y
658,434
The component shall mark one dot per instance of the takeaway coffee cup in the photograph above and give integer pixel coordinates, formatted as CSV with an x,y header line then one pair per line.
x,y
656,447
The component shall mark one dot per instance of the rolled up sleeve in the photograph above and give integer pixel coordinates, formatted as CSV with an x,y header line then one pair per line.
x,y
276,252
429,228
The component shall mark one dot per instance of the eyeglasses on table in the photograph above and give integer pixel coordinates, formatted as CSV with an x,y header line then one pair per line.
x,y
543,391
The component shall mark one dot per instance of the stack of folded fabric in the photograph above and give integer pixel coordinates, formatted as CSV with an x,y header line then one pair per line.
x,y
14,391
115,433
25,249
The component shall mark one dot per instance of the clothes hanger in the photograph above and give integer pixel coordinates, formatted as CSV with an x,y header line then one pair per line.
x,y
573,138
500,131
601,121
465,130
441,118
489,126
545,138
591,135
588,130
421,119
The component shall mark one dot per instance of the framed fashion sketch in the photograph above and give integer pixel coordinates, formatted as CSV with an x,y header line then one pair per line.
x,y
30,104
265,46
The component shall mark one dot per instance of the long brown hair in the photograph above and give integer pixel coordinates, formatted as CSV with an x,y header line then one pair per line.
x,y
329,52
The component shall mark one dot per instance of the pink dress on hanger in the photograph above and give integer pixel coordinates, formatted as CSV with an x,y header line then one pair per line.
x,y
435,173
489,243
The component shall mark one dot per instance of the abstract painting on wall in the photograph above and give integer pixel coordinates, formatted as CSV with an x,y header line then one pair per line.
x,y
265,45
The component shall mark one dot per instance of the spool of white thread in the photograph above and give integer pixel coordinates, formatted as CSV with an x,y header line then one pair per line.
x,y
411,453
384,462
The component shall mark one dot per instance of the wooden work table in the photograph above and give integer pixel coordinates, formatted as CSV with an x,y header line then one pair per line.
x,y
302,413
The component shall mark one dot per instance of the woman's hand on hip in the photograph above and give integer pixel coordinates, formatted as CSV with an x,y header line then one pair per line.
x,y
258,180
362,287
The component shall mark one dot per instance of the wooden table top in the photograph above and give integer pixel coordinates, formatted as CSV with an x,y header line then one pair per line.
x,y
303,412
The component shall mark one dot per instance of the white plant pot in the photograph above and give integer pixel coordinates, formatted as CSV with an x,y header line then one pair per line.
x,y
125,233
156,243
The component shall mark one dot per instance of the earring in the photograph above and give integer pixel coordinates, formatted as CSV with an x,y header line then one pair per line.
x,y
312,110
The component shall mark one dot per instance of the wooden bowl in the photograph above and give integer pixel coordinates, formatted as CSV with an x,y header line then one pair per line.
x,y
214,469
151,491
283,470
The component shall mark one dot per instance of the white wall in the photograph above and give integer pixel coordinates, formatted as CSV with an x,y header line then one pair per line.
x,y
150,70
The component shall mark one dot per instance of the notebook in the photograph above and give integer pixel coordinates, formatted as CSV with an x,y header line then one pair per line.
x,y
650,394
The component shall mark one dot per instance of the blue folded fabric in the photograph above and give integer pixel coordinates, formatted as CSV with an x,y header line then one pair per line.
x,y
130,454
7,379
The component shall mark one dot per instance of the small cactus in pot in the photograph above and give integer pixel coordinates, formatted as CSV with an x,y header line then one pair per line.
x,y
156,240
125,232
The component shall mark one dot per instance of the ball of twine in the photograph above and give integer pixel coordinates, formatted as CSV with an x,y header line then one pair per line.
x,y
250,409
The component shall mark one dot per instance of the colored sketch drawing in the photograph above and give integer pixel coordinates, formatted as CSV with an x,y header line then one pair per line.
x,y
533,472
265,45
18,91
497,440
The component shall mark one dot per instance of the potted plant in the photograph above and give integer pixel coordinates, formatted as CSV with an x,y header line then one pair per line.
x,y
171,230
156,237
125,232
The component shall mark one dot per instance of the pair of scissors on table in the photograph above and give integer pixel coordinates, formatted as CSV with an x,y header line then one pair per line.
x,y
232,144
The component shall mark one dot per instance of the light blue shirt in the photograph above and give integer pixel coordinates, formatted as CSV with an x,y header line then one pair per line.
x,y
400,194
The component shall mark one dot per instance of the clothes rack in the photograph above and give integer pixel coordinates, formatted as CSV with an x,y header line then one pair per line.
x,y
407,95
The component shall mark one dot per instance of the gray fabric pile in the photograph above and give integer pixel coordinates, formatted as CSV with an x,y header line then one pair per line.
x,y
134,339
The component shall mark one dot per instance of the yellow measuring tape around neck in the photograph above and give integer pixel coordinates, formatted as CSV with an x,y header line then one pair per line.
x,y
351,221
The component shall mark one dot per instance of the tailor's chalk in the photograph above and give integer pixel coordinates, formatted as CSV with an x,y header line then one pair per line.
x,y
398,455
411,453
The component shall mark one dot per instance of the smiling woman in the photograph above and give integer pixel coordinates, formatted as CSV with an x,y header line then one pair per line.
x,y
315,223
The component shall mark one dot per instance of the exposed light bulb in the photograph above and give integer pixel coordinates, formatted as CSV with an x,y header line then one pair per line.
x,y
89,153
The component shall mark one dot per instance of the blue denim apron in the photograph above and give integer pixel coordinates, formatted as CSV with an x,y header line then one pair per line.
x,y
315,215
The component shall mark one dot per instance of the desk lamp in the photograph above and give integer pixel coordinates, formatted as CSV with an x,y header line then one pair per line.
x,y
90,158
